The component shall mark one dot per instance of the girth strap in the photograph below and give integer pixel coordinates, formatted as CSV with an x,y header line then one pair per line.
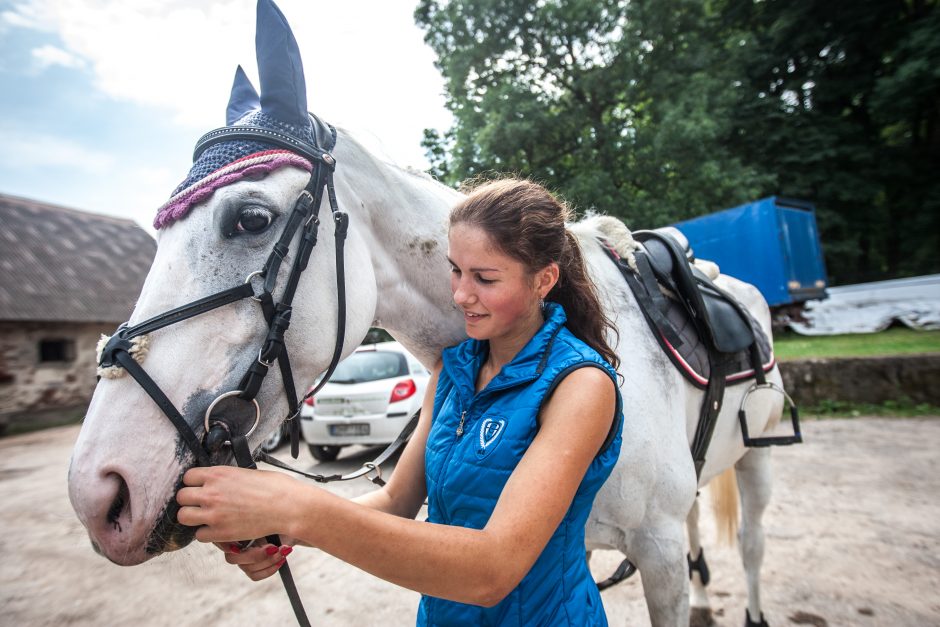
x,y
623,572
709,410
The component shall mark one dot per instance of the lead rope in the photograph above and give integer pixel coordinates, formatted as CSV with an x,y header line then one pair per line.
x,y
364,470
243,458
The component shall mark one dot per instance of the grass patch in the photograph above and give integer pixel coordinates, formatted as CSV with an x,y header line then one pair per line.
x,y
893,341
902,408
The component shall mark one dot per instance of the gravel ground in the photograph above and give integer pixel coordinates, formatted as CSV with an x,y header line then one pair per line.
x,y
853,538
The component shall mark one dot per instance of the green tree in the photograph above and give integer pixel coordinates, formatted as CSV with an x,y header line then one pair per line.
x,y
616,105
840,102
659,111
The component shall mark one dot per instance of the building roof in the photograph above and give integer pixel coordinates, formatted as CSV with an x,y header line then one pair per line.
x,y
65,265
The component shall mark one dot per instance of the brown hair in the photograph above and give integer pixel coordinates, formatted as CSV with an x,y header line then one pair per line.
x,y
527,222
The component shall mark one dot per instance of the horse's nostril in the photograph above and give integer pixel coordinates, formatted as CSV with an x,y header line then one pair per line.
x,y
120,506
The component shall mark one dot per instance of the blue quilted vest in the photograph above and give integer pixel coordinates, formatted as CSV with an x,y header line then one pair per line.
x,y
475,443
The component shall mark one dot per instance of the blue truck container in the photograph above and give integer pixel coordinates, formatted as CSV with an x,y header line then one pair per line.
x,y
772,243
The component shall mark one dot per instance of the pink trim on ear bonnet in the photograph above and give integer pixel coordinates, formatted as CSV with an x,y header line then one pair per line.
x,y
255,164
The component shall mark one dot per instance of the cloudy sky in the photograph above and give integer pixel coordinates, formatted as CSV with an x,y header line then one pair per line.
x,y
101,101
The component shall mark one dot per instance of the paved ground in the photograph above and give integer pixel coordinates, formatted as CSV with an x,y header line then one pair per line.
x,y
853,538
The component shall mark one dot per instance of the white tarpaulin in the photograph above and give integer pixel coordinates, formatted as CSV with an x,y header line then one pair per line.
x,y
871,307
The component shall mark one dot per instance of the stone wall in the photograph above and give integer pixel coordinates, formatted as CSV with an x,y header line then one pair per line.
x,y
864,379
31,386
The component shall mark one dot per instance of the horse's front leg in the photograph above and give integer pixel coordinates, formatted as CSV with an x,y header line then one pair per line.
x,y
659,554
657,547
754,486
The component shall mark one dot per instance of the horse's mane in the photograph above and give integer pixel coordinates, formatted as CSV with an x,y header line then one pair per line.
x,y
595,226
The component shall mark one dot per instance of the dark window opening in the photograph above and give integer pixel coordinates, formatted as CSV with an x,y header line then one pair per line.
x,y
51,351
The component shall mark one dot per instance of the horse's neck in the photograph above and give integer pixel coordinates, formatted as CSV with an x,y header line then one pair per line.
x,y
403,217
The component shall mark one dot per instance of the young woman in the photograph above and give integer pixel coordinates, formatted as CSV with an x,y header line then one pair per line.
x,y
519,429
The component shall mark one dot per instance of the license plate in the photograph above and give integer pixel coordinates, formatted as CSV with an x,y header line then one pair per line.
x,y
353,429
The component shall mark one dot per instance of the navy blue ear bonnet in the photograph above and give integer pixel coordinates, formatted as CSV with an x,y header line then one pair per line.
x,y
281,107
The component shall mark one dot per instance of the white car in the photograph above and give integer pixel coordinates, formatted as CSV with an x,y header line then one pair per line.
x,y
368,400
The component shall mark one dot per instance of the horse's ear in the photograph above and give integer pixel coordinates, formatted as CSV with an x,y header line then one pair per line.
x,y
283,89
244,98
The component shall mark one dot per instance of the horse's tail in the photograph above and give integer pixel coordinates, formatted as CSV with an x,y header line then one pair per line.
x,y
724,496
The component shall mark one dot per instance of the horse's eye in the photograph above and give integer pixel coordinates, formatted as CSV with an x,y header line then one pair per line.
x,y
253,220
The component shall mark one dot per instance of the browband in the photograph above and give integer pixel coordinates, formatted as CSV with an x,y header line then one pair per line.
x,y
325,135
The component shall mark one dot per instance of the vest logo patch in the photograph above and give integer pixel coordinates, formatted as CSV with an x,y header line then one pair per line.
x,y
490,430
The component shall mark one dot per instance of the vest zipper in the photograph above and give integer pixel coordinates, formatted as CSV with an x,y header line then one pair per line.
x,y
463,416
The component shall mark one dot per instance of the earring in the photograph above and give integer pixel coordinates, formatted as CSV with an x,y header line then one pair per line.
x,y
542,304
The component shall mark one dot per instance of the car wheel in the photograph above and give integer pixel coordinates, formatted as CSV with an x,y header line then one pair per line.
x,y
273,441
324,453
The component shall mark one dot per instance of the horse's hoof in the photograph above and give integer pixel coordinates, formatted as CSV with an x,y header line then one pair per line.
x,y
750,623
701,617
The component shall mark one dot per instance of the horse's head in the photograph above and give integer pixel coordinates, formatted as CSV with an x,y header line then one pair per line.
x,y
224,225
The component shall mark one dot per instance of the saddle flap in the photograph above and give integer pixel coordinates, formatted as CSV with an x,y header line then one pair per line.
x,y
730,332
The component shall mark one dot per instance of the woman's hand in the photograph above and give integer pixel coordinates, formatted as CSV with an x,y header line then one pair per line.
x,y
257,562
229,504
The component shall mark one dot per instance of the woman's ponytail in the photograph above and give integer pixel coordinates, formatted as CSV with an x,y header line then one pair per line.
x,y
575,292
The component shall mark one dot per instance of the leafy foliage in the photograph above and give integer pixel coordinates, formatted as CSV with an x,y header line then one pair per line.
x,y
660,111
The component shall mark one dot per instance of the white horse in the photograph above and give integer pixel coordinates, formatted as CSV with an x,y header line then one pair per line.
x,y
128,457
128,460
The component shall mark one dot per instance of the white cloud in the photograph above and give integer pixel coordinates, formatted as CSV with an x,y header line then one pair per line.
x,y
50,55
104,184
367,67
23,16
19,150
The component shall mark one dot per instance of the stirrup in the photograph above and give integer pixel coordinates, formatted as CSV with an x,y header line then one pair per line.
x,y
783,440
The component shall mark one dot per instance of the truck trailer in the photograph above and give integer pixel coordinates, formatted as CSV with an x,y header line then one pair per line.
x,y
772,243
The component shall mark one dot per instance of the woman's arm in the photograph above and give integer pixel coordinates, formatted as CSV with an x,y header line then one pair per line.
x,y
439,560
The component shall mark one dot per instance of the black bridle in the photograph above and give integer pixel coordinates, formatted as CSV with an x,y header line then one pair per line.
x,y
304,217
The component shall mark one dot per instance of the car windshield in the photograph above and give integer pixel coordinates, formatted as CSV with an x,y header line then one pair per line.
x,y
370,366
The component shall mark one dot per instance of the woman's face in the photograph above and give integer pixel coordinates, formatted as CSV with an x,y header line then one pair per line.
x,y
497,295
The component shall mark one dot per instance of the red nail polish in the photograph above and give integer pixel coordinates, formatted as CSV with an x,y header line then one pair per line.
x,y
286,550
271,550
234,548
281,563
